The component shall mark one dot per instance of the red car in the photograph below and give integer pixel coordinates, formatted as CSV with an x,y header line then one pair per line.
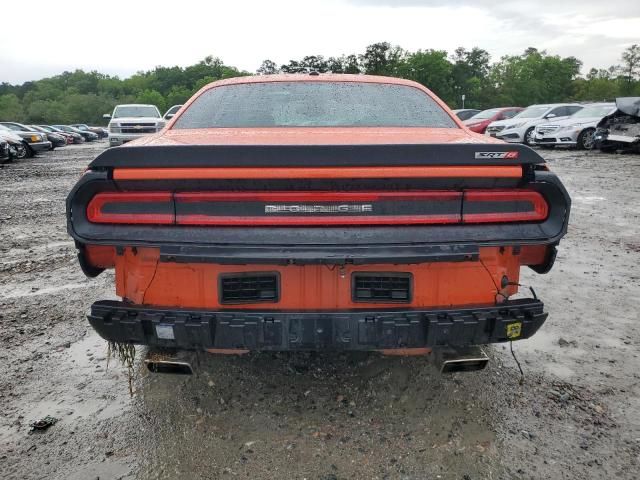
x,y
315,212
480,121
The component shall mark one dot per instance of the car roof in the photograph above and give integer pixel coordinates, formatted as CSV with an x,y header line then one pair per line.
x,y
600,104
549,105
135,105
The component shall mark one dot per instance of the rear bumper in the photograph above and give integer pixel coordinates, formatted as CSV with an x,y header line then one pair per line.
x,y
324,330
40,146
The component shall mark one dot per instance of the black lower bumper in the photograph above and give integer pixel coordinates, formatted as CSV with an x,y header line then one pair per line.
x,y
343,330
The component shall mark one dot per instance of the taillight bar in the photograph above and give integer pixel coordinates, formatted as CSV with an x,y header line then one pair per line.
x,y
490,206
153,208
316,208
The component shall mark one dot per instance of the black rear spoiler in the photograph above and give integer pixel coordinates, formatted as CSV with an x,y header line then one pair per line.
x,y
193,156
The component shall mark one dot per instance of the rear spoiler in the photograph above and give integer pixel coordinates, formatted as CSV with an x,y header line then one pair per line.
x,y
194,156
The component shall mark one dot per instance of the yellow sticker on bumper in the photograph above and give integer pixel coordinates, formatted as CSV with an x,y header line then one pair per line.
x,y
514,330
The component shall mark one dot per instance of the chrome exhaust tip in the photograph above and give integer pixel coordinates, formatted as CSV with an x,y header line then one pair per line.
x,y
469,359
174,364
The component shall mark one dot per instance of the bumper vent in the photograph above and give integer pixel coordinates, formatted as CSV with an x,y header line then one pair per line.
x,y
382,287
249,287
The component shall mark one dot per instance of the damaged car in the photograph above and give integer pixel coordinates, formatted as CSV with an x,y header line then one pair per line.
x,y
621,129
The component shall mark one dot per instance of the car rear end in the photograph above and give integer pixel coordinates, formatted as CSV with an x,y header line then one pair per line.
x,y
363,244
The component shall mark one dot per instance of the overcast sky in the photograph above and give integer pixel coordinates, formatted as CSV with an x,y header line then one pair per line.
x,y
43,38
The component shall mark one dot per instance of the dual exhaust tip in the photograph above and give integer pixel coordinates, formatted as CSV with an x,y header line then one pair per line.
x,y
449,360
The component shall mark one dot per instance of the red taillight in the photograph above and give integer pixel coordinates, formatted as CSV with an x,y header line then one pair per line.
x,y
317,208
503,206
134,208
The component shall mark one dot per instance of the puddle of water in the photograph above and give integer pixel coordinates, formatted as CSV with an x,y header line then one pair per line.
x,y
80,386
544,350
107,470
21,292
587,199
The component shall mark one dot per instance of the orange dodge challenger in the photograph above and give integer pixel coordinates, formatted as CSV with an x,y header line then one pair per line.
x,y
312,212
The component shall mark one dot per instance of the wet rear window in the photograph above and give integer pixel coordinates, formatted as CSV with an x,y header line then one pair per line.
x,y
314,104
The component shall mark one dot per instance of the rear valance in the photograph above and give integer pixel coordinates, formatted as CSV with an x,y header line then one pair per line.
x,y
192,156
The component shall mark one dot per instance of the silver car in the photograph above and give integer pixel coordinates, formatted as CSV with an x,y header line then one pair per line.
x,y
577,130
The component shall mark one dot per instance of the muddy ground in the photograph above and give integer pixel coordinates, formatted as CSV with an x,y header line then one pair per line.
x,y
576,416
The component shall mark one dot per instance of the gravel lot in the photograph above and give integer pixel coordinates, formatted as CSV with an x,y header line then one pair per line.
x,y
576,416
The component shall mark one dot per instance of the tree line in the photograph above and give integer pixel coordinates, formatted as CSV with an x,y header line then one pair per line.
x,y
531,77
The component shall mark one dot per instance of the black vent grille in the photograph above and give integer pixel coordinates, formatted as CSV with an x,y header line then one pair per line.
x,y
249,287
382,287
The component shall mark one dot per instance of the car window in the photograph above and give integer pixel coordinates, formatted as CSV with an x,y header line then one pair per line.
x,y
558,112
509,113
485,114
136,111
573,109
314,104
532,112
595,111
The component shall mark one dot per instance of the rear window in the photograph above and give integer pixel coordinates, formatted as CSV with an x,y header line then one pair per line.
x,y
314,104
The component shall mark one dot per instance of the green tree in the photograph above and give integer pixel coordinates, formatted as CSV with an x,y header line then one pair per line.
x,y
178,96
534,77
268,67
382,59
430,68
631,63
152,97
11,108
470,74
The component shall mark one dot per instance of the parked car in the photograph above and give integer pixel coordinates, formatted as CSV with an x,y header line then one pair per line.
x,y
101,132
56,139
168,115
221,227
86,134
73,136
480,121
466,113
67,136
17,146
35,141
576,131
520,128
620,130
128,122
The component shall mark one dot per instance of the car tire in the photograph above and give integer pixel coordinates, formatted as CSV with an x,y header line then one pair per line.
x,y
586,140
21,152
30,152
528,137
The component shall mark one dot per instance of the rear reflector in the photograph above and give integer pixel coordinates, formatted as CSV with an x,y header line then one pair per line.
x,y
317,208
